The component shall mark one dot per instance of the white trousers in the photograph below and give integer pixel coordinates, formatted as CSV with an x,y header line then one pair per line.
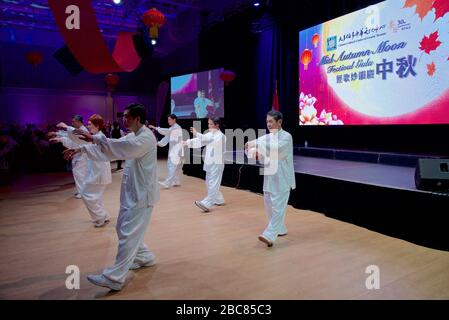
x,y
92,195
275,205
79,170
172,168
131,227
213,183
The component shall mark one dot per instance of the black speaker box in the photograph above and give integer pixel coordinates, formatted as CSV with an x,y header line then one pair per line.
x,y
432,174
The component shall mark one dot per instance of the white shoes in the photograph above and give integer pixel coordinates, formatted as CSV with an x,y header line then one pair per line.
x,y
136,265
201,206
164,185
220,204
101,281
268,242
102,223
78,196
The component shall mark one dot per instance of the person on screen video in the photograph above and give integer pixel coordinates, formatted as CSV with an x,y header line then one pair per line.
x,y
201,103
275,152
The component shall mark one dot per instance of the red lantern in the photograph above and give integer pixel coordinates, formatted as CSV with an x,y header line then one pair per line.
x,y
112,81
315,39
227,76
306,57
154,19
34,58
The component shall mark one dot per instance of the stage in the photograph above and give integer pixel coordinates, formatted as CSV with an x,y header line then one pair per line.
x,y
200,256
366,193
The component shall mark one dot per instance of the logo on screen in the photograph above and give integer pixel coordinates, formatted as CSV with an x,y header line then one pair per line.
x,y
332,43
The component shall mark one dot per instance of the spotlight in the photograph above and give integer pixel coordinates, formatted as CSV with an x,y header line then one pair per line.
x,y
256,4
117,1
153,42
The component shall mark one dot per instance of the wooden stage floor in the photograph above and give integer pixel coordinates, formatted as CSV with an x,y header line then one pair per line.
x,y
43,229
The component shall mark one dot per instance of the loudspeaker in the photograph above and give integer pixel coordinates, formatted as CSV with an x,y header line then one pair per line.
x,y
432,174
68,61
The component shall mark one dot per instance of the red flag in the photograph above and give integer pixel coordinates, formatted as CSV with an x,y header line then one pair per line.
x,y
275,105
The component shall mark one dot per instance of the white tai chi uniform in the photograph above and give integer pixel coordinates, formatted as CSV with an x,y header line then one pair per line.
x,y
98,176
276,149
215,142
139,193
173,137
79,161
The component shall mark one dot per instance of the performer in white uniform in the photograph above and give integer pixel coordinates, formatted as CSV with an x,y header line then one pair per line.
x,y
172,137
215,142
98,174
79,161
275,152
139,193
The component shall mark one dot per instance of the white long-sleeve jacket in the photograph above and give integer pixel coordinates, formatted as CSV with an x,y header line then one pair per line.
x,y
215,142
277,157
172,137
72,143
139,182
98,172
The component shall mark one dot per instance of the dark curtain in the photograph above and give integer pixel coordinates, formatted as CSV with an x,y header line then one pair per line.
x,y
275,59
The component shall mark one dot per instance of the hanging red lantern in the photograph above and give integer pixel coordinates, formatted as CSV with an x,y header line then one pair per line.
x,y
315,39
154,19
112,80
306,57
227,76
34,58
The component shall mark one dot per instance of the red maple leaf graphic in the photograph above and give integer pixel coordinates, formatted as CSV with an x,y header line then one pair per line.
x,y
430,43
423,7
441,8
431,68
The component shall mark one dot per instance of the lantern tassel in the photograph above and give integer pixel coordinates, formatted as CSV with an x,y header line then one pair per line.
x,y
154,32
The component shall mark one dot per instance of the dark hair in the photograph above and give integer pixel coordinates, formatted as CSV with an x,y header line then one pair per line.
x,y
216,121
77,117
97,121
39,134
137,110
276,115
173,116
115,124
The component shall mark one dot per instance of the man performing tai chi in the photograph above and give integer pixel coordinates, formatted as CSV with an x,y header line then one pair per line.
x,y
172,137
139,193
79,161
275,152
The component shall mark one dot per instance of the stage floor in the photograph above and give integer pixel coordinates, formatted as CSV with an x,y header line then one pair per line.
x,y
360,172
43,229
